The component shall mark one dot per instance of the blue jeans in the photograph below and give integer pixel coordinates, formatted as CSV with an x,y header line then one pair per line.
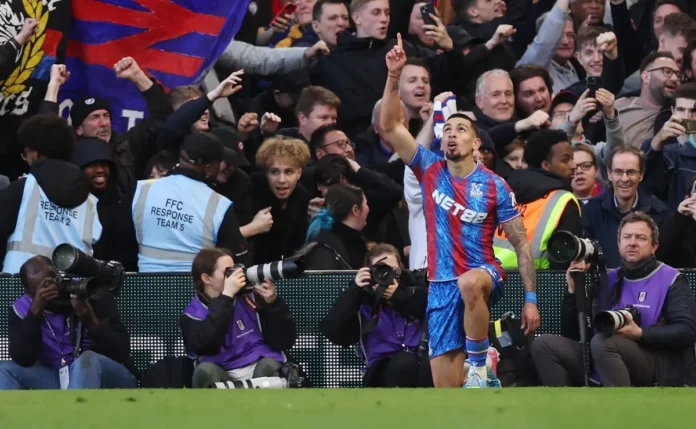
x,y
89,371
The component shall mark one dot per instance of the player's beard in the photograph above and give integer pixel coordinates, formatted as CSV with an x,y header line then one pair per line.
x,y
454,156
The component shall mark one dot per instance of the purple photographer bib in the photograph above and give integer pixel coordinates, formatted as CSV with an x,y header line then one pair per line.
x,y
243,343
647,294
58,344
392,334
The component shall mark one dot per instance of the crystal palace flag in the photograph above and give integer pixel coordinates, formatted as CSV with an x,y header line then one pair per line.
x,y
174,41
24,85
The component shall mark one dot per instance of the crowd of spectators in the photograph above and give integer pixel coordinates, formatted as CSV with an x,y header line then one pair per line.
x,y
586,107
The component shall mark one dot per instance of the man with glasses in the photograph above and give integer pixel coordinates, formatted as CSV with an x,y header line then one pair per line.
x,y
329,139
671,154
660,77
602,215
676,32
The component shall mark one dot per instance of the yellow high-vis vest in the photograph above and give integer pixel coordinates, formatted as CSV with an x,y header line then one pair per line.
x,y
540,219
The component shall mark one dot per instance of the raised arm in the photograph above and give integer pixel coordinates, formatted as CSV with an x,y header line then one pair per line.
x,y
391,119
517,236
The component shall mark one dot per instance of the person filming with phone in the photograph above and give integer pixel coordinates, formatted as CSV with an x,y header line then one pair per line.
x,y
233,329
646,339
671,154
679,234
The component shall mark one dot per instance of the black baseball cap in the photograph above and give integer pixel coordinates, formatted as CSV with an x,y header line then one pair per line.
x,y
563,97
202,149
233,146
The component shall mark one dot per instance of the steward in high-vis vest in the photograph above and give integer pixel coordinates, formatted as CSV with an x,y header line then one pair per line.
x,y
51,205
545,198
177,216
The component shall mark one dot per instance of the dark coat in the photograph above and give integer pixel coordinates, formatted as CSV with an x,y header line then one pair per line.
x,y
601,219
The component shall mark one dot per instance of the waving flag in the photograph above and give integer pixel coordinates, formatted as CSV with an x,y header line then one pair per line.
x,y
25,84
174,41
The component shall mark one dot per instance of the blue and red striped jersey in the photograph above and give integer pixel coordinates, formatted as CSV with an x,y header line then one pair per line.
x,y
461,215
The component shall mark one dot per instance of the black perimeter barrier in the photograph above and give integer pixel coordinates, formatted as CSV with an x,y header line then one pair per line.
x,y
151,304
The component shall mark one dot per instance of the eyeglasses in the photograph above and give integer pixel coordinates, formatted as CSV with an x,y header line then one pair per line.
x,y
561,114
342,144
618,173
584,166
668,72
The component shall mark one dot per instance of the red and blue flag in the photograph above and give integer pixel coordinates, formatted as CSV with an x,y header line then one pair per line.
x,y
174,41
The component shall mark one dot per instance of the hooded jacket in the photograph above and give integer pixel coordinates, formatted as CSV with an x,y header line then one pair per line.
x,y
117,242
62,182
533,184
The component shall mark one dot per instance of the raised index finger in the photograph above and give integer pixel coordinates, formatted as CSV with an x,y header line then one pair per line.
x,y
399,43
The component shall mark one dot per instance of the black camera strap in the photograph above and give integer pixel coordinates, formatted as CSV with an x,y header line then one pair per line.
x,y
376,310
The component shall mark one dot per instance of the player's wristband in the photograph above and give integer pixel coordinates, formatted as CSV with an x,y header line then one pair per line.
x,y
530,298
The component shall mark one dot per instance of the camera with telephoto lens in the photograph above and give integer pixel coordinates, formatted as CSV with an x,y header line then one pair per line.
x,y
382,274
564,247
608,322
84,276
286,269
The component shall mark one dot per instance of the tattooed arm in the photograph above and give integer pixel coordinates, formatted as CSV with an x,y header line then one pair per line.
x,y
391,118
517,236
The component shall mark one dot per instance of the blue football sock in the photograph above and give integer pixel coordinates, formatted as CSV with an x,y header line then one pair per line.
x,y
477,351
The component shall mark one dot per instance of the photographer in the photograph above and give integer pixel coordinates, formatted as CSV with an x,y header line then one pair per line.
x,y
65,342
655,345
390,346
232,334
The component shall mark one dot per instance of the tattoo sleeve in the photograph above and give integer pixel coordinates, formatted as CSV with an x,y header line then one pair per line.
x,y
517,236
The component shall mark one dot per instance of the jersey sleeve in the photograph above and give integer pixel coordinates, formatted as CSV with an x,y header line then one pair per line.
x,y
421,161
506,207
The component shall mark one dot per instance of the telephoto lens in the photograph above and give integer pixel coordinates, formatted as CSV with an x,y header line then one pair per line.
x,y
608,322
564,247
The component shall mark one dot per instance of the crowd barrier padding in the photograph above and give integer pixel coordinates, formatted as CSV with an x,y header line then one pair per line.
x,y
150,307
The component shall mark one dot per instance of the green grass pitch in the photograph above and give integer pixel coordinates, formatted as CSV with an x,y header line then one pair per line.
x,y
351,408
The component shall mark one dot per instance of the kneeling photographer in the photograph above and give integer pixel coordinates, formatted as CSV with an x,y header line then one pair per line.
x,y
237,333
645,339
65,333
383,311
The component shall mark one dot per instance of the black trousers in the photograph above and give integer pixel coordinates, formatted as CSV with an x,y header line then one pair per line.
x,y
400,370
620,362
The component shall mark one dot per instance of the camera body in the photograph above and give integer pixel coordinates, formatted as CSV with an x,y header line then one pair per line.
x,y
382,274
610,321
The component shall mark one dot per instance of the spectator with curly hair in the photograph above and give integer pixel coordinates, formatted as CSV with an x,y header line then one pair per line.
x,y
277,191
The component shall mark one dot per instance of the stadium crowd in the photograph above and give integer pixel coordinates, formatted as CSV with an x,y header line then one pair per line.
x,y
586,109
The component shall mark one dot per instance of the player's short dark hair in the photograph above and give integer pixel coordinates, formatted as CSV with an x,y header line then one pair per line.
x,y
472,124
460,6
49,135
529,71
652,57
540,145
319,7
331,169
